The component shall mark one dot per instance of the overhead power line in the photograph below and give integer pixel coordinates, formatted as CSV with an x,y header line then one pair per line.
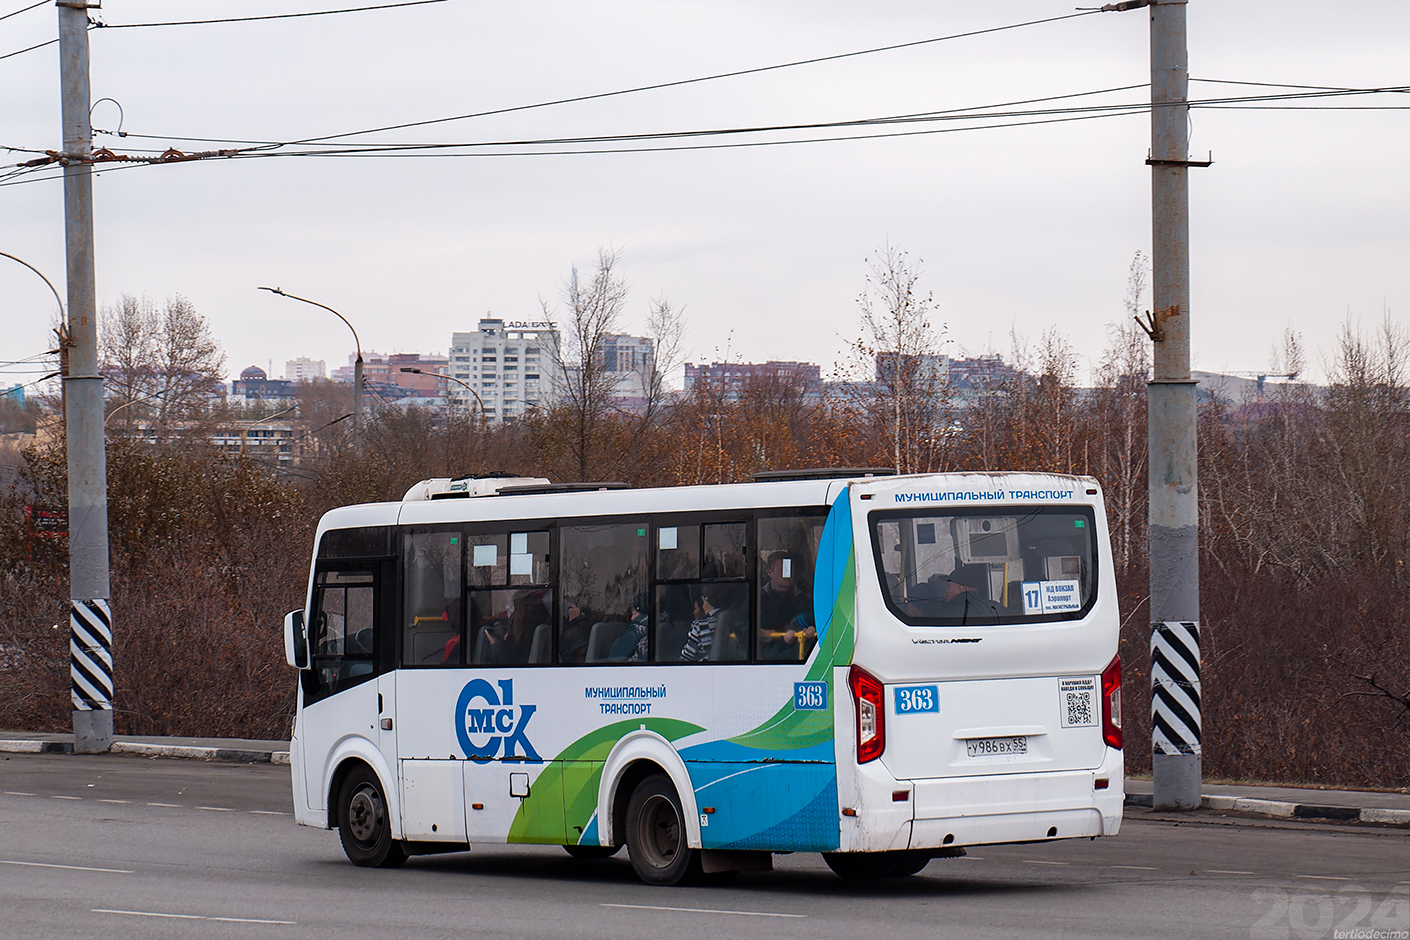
x,y
974,109
986,117
32,6
38,45
698,79
271,16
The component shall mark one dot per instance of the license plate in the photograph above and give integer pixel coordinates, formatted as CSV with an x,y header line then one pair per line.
x,y
996,747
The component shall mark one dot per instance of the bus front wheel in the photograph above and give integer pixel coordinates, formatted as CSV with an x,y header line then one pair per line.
x,y
656,835
364,826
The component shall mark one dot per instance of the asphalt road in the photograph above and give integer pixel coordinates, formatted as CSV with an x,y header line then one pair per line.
x,y
129,847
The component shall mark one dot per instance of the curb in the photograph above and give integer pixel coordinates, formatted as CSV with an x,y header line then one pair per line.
x,y
1278,809
233,755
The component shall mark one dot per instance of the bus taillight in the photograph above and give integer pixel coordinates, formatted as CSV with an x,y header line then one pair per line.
x,y
1111,704
870,700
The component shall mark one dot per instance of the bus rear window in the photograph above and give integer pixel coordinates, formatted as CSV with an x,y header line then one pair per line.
x,y
986,566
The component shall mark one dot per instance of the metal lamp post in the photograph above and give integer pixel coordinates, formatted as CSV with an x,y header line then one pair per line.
x,y
357,367
484,422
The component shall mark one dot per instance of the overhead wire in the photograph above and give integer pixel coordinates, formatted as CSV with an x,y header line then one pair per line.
x,y
976,110
702,78
981,113
269,16
601,144
32,6
38,45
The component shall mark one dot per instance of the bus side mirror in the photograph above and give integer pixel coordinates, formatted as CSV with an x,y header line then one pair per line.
x,y
295,640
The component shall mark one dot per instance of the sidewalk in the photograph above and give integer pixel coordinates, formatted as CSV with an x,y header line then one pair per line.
x,y
238,750
1277,802
1293,802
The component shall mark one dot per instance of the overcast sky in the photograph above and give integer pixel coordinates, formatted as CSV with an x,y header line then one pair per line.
x,y
1303,221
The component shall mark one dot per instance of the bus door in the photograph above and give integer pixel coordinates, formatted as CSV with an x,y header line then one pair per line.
x,y
512,793
350,646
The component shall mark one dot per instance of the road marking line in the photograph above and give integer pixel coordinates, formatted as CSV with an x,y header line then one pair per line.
x,y
701,910
17,793
1135,867
1034,861
113,801
1221,871
167,805
268,812
110,871
60,796
1323,877
227,920
217,809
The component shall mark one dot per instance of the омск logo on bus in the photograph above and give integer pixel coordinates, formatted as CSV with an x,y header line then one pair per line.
x,y
487,720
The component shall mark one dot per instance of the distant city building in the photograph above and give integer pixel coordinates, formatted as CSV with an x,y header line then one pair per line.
x,y
628,361
510,364
304,369
730,378
254,384
383,379
921,369
982,373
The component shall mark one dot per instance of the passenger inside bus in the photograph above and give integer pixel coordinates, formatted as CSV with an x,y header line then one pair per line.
x,y
674,612
716,634
511,641
573,641
957,595
786,629
630,647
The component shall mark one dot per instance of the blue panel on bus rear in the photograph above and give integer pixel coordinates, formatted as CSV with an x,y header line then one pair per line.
x,y
775,806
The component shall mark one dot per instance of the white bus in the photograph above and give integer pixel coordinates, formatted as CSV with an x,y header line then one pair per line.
x,y
883,669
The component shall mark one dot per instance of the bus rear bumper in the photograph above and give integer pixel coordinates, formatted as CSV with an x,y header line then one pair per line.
x,y
1016,808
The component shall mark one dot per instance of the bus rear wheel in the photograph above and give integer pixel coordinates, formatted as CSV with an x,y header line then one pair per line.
x,y
656,835
364,825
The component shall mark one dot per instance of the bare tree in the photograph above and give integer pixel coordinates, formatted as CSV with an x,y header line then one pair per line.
x,y
162,364
593,311
1120,415
901,347
665,326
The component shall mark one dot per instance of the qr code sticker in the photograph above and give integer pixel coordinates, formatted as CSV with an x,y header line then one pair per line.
x,y
1077,699
1079,708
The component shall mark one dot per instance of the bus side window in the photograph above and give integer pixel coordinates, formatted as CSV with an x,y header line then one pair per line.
x,y
604,574
342,633
508,598
701,605
431,613
786,555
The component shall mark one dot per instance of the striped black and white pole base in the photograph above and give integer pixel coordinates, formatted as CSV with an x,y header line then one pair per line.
x,y
1175,717
91,654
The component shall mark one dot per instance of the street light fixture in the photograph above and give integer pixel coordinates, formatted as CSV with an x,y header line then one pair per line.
x,y
484,421
357,368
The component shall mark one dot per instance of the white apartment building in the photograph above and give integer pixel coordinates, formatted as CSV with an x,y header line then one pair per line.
x,y
510,364
304,369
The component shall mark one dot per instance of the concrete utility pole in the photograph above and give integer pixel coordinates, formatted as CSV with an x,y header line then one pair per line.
x,y
90,617
1174,507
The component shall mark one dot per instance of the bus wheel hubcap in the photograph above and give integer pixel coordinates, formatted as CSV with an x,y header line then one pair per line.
x,y
364,814
661,831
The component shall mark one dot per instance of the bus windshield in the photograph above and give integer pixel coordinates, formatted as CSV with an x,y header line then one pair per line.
x,y
986,566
